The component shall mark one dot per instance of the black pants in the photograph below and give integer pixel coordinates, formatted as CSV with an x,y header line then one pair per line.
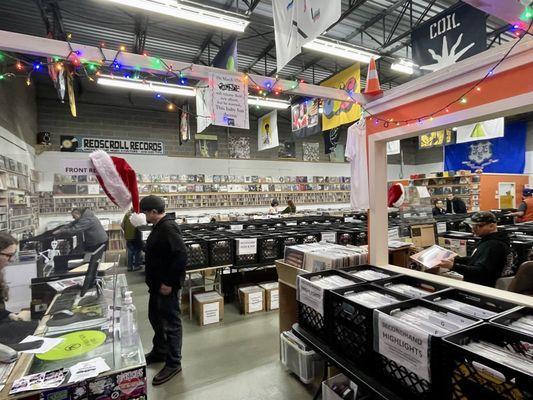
x,y
165,317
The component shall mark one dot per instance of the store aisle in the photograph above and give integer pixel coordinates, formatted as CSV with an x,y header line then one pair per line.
x,y
237,359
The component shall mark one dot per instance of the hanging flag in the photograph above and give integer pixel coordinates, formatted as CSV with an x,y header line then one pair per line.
x,y
356,153
226,57
453,35
297,22
305,118
501,155
331,138
267,131
71,94
185,128
436,138
337,113
483,130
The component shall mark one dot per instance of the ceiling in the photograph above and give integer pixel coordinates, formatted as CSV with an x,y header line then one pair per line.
x,y
380,25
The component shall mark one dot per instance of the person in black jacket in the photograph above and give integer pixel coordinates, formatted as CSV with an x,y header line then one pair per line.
x,y
165,260
439,208
94,234
455,205
492,255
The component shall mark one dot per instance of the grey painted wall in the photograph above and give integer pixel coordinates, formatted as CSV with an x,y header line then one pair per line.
x,y
18,109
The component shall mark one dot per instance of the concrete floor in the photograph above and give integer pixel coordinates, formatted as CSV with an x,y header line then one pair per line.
x,y
237,359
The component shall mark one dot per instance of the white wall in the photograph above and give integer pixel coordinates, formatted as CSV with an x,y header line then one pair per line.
x,y
13,147
393,170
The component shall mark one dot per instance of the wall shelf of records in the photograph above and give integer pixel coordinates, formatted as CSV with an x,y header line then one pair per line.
x,y
18,205
195,191
463,185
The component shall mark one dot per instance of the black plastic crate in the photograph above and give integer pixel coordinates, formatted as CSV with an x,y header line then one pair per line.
x,y
245,259
221,251
428,286
475,377
346,237
312,318
268,248
506,319
350,325
487,303
360,237
356,268
401,379
287,239
197,253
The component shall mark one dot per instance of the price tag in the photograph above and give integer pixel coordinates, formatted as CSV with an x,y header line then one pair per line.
x,y
441,227
311,295
246,246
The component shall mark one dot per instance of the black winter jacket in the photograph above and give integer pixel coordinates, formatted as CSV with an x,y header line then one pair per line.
x,y
485,266
165,255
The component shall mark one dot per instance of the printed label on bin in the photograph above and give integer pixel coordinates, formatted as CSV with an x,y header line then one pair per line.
x,y
330,237
349,219
441,227
236,227
403,344
255,301
274,299
246,246
211,313
311,295
394,234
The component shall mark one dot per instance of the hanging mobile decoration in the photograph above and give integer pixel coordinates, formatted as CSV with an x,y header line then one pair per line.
x,y
185,128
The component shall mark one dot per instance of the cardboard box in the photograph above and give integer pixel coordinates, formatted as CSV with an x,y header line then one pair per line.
x,y
271,295
209,308
423,235
252,299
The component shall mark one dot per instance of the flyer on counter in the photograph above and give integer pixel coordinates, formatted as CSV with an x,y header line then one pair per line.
x,y
39,381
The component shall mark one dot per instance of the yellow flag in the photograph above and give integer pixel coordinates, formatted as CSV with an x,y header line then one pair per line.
x,y
338,112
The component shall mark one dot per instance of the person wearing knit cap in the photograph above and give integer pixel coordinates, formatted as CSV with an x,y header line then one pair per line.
x,y
165,263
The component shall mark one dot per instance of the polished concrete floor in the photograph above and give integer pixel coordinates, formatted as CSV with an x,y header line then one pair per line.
x,y
237,359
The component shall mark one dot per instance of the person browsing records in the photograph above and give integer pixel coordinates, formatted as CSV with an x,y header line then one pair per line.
x,y
439,208
94,234
525,209
455,205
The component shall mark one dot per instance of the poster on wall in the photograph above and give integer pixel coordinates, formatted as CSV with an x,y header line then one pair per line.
x,y
230,100
239,147
492,155
305,119
311,151
436,139
206,146
453,35
267,131
111,145
483,130
337,113
393,147
287,150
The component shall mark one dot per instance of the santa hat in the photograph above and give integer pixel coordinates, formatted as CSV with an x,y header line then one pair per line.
x,y
396,195
119,182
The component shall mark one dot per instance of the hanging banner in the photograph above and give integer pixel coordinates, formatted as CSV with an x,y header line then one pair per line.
x,y
71,94
267,131
230,100
453,35
204,108
484,130
305,119
185,127
110,145
501,155
331,138
226,57
297,22
337,113
436,139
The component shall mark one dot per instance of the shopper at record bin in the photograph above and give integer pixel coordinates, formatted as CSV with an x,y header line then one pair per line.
x,y
133,244
525,209
291,208
273,206
491,257
439,208
455,205
165,260
8,250
94,234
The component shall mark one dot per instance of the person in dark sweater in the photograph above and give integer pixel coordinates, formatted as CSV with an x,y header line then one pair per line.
x,y
94,234
439,208
290,209
455,205
165,260
492,255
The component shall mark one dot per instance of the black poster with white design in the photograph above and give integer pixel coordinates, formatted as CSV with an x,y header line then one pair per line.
x,y
453,35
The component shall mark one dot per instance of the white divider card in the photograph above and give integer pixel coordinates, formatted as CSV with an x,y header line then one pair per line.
x,y
291,223
311,295
349,219
255,301
330,237
394,234
236,227
246,246
211,313
441,227
274,299
403,344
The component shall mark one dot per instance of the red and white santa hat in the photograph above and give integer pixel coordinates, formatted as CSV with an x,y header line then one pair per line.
x,y
396,195
119,182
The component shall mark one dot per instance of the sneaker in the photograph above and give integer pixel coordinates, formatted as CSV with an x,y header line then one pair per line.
x,y
152,358
165,375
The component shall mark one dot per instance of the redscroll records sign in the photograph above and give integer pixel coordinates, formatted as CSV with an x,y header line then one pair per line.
x,y
126,146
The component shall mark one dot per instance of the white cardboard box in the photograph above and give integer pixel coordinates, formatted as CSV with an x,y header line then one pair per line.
x,y
271,295
209,308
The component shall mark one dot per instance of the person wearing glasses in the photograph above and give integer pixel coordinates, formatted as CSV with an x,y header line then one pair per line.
x,y
8,251
491,257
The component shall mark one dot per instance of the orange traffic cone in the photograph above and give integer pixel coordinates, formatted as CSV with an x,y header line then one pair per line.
x,y
372,80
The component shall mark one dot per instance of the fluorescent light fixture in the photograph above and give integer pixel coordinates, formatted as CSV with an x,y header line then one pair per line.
x,y
147,86
211,16
268,103
340,49
404,66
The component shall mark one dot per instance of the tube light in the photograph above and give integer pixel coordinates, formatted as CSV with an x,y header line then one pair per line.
x,y
147,86
340,49
268,103
203,15
403,66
